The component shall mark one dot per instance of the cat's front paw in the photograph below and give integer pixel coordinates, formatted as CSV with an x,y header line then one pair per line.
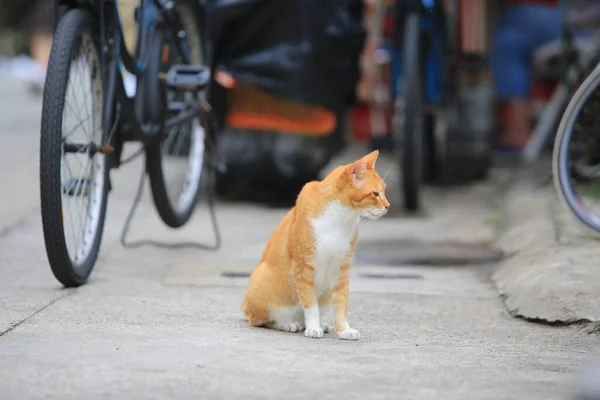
x,y
315,333
349,334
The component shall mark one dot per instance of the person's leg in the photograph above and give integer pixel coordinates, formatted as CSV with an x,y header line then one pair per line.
x,y
40,45
130,32
127,14
512,78
39,26
519,30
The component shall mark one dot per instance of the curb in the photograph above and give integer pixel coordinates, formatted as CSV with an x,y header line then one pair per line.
x,y
551,273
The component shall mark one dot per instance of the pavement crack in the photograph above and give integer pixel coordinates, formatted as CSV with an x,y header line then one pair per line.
x,y
15,325
556,323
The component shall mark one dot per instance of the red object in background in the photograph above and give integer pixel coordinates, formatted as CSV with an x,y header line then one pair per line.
x,y
542,90
523,2
360,122
388,25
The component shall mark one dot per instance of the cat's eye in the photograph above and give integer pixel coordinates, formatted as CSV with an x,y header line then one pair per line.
x,y
376,194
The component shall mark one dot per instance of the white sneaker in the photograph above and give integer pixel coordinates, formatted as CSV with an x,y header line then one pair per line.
x,y
130,83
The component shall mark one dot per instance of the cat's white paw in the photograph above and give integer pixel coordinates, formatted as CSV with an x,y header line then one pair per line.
x,y
326,328
349,334
291,327
315,333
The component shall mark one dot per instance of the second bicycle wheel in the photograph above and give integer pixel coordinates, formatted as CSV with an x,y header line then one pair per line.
x,y
412,131
73,174
576,156
175,164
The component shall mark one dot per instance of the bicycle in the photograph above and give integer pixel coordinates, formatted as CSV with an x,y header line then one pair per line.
x,y
576,150
576,155
435,145
168,115
574,59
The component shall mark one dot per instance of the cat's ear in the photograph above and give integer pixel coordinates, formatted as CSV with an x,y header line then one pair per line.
x,y
370,159
356,171
359,167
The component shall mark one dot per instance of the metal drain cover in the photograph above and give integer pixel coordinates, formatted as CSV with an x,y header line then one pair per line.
x,y
406,252
235,274
391,276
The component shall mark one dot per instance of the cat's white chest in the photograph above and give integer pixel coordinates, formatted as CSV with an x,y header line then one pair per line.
x,y
334,231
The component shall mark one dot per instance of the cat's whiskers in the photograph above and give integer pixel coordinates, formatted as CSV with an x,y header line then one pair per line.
x,y
363,214
387,172
353,219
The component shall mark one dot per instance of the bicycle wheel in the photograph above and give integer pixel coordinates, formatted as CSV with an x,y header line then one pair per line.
x,y
175,164
412,131
73,177
576,156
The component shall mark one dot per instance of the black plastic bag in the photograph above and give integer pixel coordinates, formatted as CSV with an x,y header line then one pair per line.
x,y
304,50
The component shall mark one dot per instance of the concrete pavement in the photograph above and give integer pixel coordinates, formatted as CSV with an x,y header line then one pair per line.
x,y
552,275
158,324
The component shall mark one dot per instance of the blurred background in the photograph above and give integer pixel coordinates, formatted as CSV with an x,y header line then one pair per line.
x,y
473,216
489,71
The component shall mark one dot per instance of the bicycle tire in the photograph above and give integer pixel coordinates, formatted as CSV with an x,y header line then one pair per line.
x,y
412,91
170,214
587,223
74,30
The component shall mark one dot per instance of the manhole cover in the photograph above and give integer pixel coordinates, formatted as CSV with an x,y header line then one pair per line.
x,y
391,276
235,274
406,252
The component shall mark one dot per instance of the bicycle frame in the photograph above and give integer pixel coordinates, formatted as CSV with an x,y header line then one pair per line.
x,y
115,55
574,73
433,24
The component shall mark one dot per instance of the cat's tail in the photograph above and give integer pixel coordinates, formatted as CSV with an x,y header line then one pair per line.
x,y
254,318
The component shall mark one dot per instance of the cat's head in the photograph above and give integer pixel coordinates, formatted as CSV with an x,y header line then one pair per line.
x,y
362,189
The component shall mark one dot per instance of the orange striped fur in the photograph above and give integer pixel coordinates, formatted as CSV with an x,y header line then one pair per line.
x,y
304,271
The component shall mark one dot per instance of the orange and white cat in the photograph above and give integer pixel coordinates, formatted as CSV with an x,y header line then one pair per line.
x,y
305,268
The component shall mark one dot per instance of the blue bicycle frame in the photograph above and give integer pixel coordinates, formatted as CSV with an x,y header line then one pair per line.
x,y
433,57
111,32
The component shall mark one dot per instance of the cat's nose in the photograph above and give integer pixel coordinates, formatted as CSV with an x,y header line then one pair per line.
x,y
386,205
